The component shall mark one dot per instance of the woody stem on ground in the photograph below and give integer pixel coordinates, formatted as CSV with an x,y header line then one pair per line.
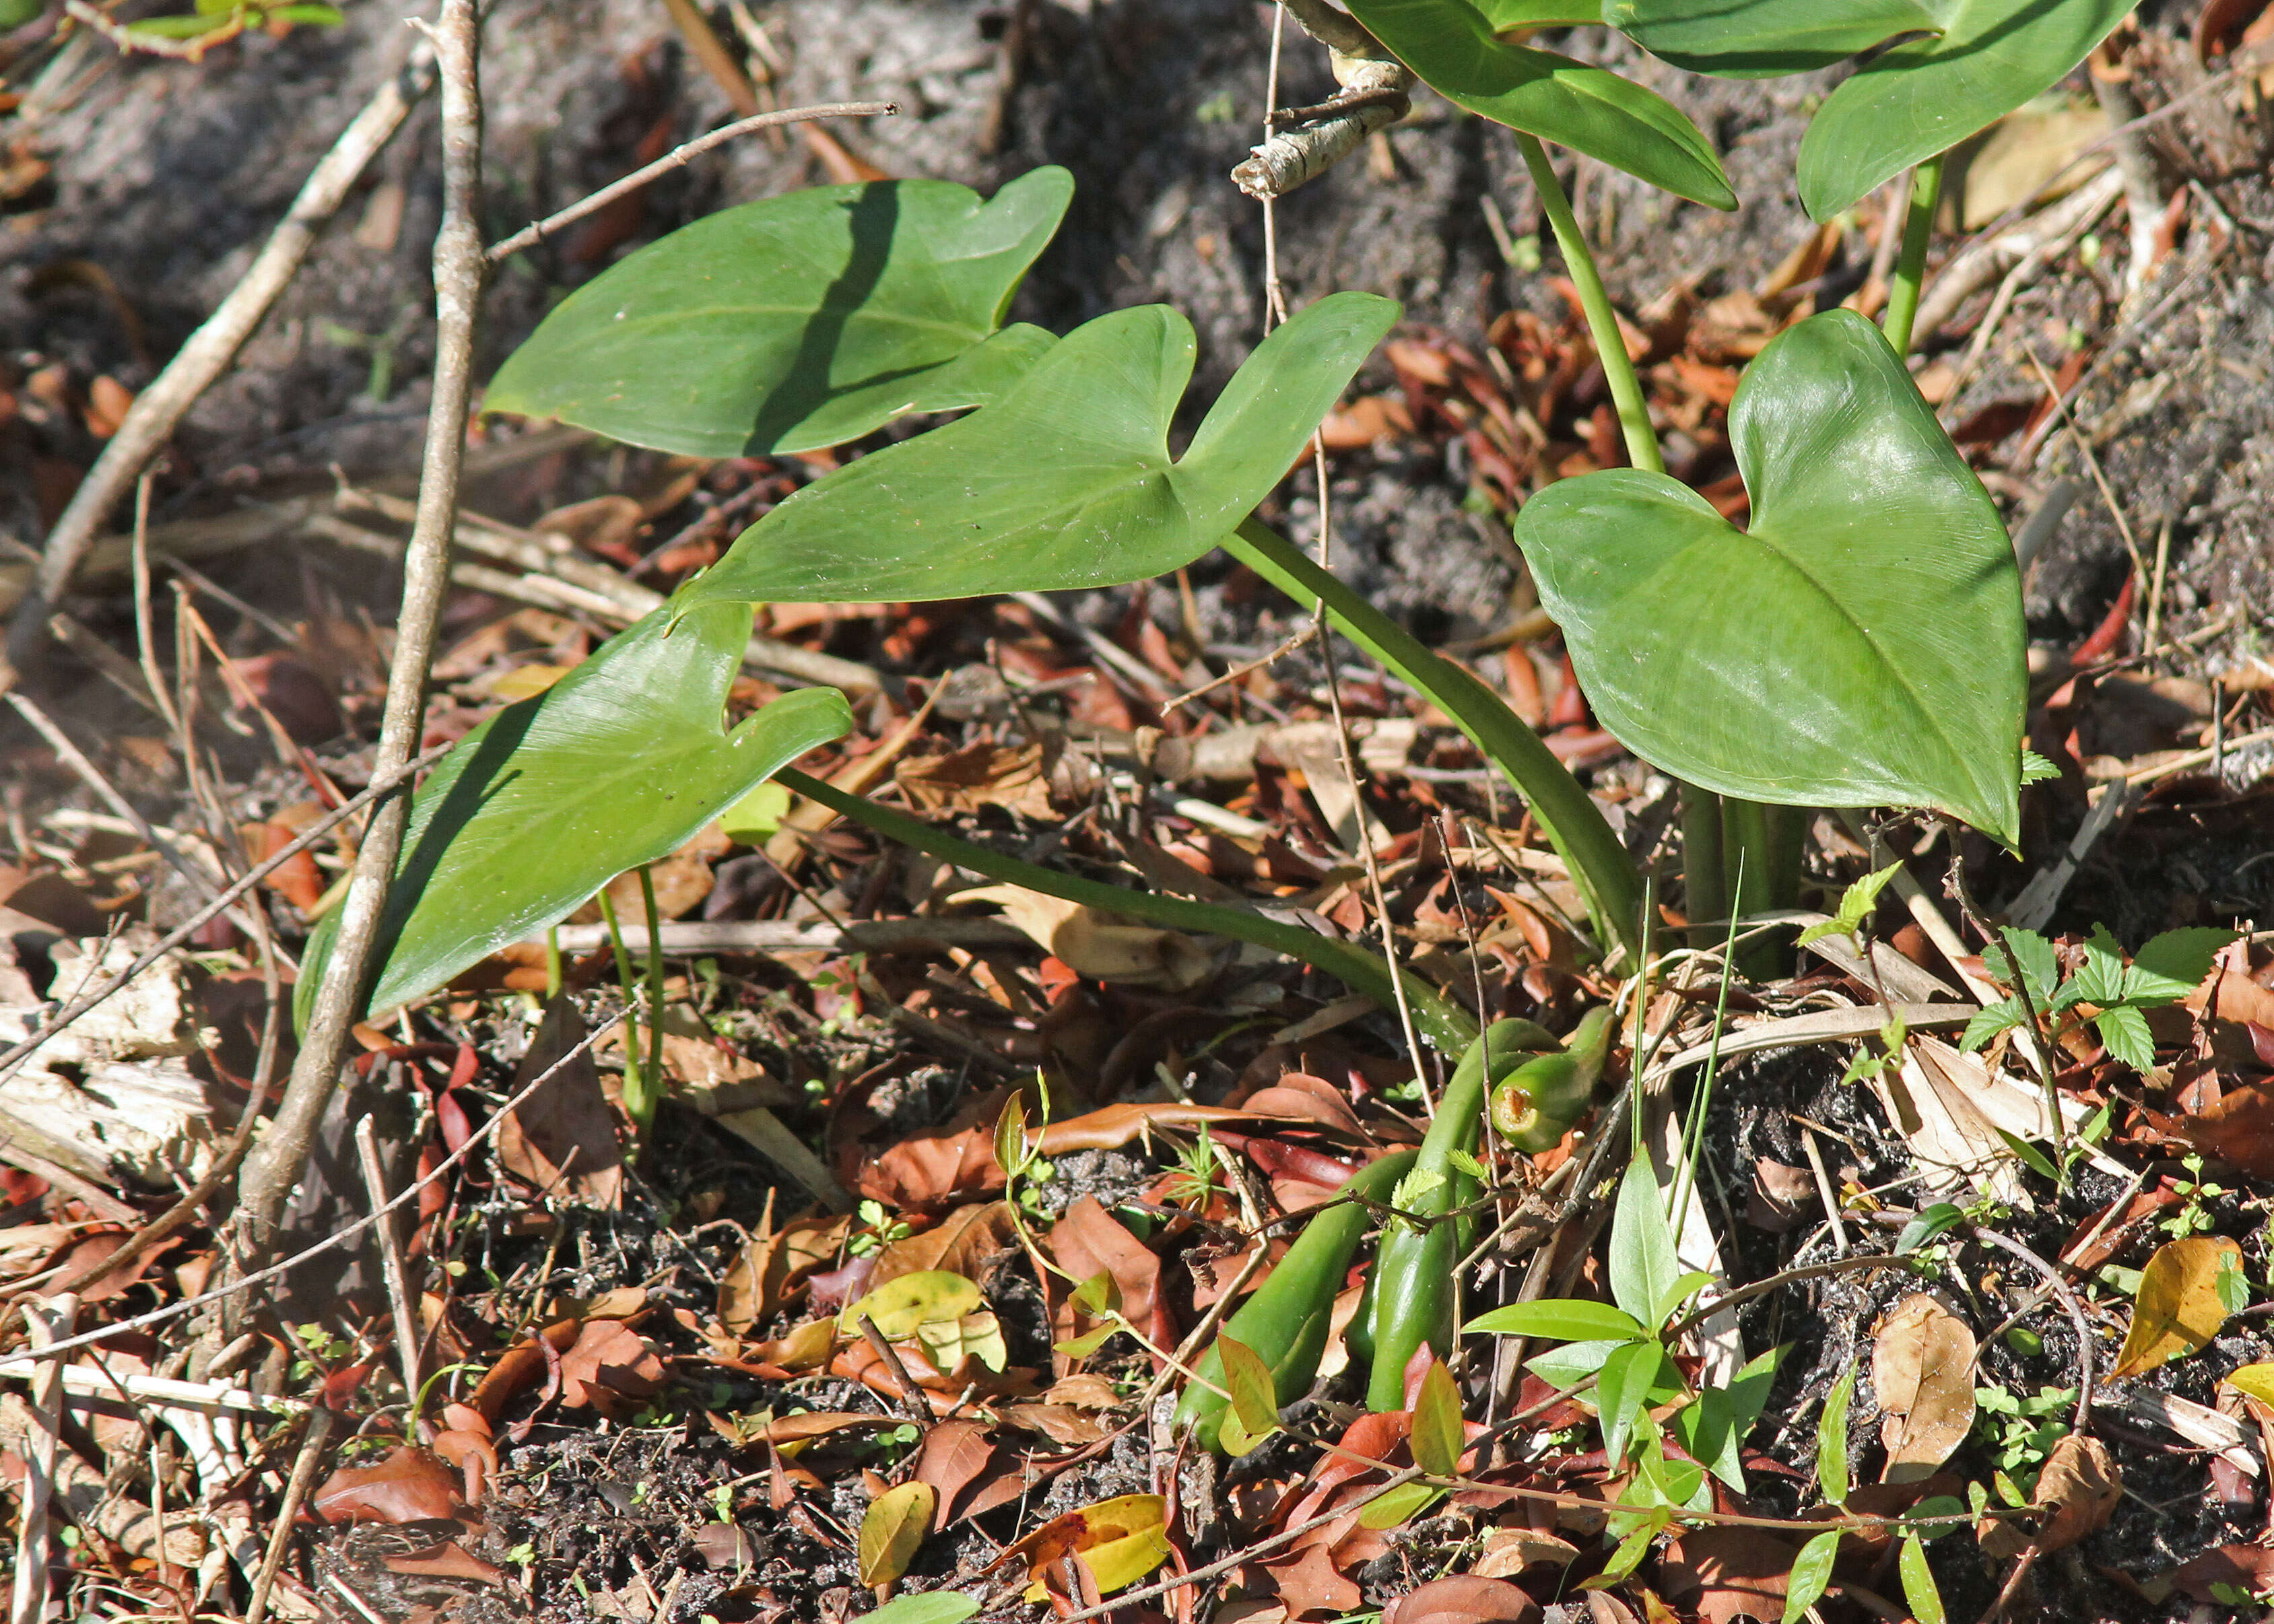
x,y
1911,264
275,1169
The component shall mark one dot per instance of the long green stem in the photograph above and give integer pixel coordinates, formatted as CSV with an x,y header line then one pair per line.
x,y
1706,890
1447,1027
1599,865
1602,321
642,1108
1761,847
635,1087
1910,266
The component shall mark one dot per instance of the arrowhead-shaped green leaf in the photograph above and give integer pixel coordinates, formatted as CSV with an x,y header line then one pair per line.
x,y
800,322
1861,645
1927,94
1066,481
1451,46
619,763
1764,38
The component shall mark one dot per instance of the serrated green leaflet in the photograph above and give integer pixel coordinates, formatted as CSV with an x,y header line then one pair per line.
x,y
1985,58
802,322
1451,46
1862,644
1066,481
619,763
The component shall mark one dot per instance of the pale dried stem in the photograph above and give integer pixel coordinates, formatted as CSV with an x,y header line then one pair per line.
x,y
398,1278
275,1167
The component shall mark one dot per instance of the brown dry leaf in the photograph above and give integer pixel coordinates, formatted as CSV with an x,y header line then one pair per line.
x,y
770,1271
1312,1584
1729,1573
2179,1308
806,1348
954,1456
979,775
958,1243
609,1367
1084,1391
1061,1424
1465,1598
561,1140
472,1452
2077,1493
1922,1369
2238,1130
2249,1568
1509,1550
410,1485
1096,945
1090,1241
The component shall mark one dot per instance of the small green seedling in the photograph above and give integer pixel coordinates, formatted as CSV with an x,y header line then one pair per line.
x,y
2112,995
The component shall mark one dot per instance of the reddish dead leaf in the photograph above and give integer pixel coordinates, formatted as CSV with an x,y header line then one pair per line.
x,y
1086,1241
561,1140
1113,1126
1463,1599
1729,1573
958,1243
472,1453
447,1560
2249,1568
955,1456
929,1171
610,1368
410,1485
2238,1130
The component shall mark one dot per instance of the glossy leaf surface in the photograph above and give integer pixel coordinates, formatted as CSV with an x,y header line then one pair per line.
x,y
1861,645
1450,44
1067,480
1969,63
619,763
800,322
1927,94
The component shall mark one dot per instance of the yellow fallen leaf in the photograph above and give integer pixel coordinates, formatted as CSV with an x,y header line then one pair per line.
x,y
2180,1306
894,1530
927,1297
1118,1540
2255,1381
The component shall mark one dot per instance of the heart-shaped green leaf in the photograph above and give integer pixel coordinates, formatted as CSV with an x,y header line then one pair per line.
x,y
1451,46
1764,38
1066,481
1862,644
1927,94
619,763
803,320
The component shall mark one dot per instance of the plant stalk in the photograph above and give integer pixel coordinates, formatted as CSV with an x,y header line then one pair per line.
x,y
1447,1027
1705,891
1599,864
1910,266
642,1109
1602,321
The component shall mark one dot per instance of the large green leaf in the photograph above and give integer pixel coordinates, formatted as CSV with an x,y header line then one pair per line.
x,y
1065,482
1451,46
1927,94
619,763
800,322
1763,39
1862,644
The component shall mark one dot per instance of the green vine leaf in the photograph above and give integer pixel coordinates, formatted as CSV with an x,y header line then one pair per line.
x,y
1065,482
1862,644
1452,46
802,322
619,763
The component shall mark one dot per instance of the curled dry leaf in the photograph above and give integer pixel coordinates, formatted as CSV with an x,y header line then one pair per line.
x,y
472,1453
2238,1130
1119,1541
1463,1599
1096,946
561,1140
447,1560
894,1530
2077,1493
1923,1368
2182,1303
409,1485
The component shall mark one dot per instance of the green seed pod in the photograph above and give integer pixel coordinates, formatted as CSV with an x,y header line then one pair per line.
x,y
1534,1107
